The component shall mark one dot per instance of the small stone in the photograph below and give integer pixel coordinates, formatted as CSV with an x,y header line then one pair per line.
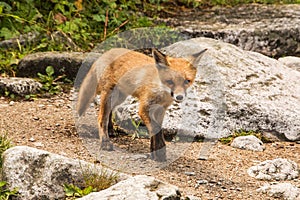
x,y
190,173
139,157
38,144
11,103
3,105
203,157
36,118
212,181
202,181
31,139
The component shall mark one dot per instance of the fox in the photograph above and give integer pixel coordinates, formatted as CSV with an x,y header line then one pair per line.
x,y
155,81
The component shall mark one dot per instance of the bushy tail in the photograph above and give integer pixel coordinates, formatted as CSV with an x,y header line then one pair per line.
x,y
87,91
89,85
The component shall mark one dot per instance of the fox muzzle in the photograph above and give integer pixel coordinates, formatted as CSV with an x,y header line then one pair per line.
x,y
178,97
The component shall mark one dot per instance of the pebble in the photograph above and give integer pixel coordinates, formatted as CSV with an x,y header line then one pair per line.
x,y
139,157
212,181
38,144
31,139
72,98
203,157
3,105
36,118
190,173
202,181
11,103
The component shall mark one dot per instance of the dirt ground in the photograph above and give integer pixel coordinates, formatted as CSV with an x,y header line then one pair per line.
x,y
49,124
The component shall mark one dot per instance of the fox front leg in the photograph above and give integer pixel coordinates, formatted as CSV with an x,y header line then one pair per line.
x,y
158,147
152,115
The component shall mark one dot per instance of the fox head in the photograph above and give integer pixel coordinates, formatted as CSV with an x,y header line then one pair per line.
x,y
177,74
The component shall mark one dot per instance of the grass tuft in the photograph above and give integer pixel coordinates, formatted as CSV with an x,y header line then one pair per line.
x,y
94,180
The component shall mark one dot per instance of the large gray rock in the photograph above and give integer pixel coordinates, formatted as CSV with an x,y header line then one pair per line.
x,y
138,187
249,142
234,90
277,169
272,30
285,191
64,63
41,175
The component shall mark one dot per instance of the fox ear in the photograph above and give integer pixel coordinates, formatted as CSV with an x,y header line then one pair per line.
x,y
195,57
160,59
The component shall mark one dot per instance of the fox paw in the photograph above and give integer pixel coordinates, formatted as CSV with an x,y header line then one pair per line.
x,y
107,146
159,155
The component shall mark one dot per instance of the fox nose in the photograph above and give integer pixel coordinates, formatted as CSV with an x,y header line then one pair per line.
x,y
179,97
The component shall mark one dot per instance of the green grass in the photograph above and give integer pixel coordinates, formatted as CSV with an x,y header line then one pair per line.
x,y
4,145
94,180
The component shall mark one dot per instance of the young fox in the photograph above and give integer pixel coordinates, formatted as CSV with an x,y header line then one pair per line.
x,y
155,82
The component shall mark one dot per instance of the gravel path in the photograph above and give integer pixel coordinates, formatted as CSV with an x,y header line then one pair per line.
x,y
48,124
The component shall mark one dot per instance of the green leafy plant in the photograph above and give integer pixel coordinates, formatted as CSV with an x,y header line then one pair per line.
x,y
49,81
73,191
80,23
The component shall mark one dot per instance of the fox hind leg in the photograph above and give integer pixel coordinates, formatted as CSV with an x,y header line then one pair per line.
x,y
102,121
110,126
109,100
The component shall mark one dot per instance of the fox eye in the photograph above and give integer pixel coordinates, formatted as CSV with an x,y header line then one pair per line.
x,y
170,82
187,81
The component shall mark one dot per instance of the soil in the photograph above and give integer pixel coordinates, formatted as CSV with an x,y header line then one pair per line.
x,y
48,124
